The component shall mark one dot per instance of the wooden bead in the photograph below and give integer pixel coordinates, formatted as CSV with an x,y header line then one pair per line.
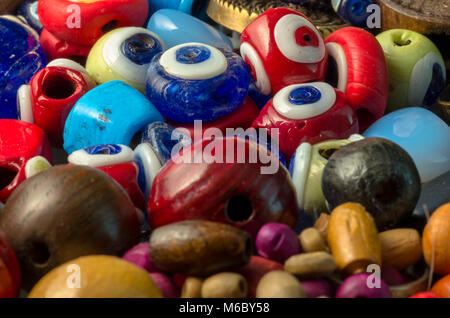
x,y
10,277
436,238
199,248
192,287
7,6
279,284
400,248
224,285
353,238
311,265
321,224
100,276
65,212
442,287
312,241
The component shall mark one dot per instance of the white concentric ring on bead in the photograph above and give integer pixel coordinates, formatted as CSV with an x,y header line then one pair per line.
x,y
284,34
150,164
118,62
36,165
285,108
214,66
301,170
335,4
66,63
421,77
337,53
262,80
24,104
82,157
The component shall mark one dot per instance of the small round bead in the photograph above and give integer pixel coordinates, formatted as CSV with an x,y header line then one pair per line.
x,y
279,284
224,285
356,287
311,265
139,255
192,287
165,285
317,288
312,241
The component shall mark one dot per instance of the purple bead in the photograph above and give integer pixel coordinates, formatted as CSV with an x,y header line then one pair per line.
x,y
356,287
316,288
277,241
165,285
139,255
391,276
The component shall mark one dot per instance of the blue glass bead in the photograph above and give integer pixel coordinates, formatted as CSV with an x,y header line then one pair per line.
x,y
353,11
162,138
422,134
21,56
304,95
184,100
259,98
175,27
185,6
141,48
28,10
192,54
111,113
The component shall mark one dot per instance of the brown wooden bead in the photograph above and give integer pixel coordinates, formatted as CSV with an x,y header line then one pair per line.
x,y
192,287
312,241
279,284
225,285
311,265
199,248
353,238
321,224
65,212
8,6
400,248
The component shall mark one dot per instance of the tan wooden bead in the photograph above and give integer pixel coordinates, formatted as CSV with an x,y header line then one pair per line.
x,y
279,284
311,265
312,241
321,224
225,285
192,287
400,248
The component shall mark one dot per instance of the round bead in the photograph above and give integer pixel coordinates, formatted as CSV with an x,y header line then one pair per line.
x,y
312,241
192,288
224,285
279,284
311,265
139,255
317,288
356,286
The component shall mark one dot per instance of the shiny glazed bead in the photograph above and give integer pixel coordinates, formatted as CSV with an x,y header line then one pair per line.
x,y
353,238
224,285
357,67
277,241
197,81
282,47
442,287
10,277
165,285
101,276
20,58
400,248
354,11
185,6
376,173
56,48
422,134
356,286
301,112
139,255
310,265
425,295
28,10
77,198
111,113
279,284
199,248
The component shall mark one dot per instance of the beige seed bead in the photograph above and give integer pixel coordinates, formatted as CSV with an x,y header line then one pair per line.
x,y
225,285
311,265
192,287
279,284
312,241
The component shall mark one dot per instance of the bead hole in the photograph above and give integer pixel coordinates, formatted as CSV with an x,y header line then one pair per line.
x,y
7,175
239,209
332,75
402,42
58,87
40,253
386,192
111,25
364,118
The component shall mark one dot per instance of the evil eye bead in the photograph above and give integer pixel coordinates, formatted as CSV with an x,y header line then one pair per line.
x,y
304,101
353,11
299,40
149,166
101,155
262,81
28,11
124,54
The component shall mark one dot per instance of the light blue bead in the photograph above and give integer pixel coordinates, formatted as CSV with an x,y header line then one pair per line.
x,y
111,113
175,27
422,134
353,11
181,5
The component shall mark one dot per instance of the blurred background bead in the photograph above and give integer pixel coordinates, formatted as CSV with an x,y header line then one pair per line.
x,y
321,225
279,284
199,248
186,6
317,288
310,265
425,295
356,286
28,11
277,241
192,287
149,167
9,270
224,285
442,287
139,255
391,276
400,248
312,241
165,285
354,11
36,165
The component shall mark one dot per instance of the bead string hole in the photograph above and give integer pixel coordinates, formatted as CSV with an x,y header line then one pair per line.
x,y
239,209
7,176
304,95
386,192
58,87
111,25
364,118
192,54
40,253
141,48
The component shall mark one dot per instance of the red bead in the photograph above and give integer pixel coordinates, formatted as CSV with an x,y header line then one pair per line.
x,y
10,277
55,48
283,47
361,72
425,295
19,142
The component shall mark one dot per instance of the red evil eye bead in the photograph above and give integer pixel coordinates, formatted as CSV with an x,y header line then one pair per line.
x,y
19,142
311,113
79,21
10,277
50,96
282,47
357,67
56,48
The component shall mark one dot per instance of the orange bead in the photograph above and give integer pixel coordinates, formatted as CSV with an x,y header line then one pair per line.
x,y
442,287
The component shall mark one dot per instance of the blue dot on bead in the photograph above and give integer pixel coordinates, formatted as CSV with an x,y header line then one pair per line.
x,y
103,150
141,48
192,54
304,95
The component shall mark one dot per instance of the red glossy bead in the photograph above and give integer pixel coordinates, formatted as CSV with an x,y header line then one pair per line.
x,y
235,193
56,48
283,47
19,142
84,22
425,295
10,277
360,72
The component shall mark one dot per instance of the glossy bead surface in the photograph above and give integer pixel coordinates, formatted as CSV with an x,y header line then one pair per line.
x,y
56,48
199,248
197,81
139,255
376,173
28,10
185,6
357,67
111,113
176,27
21,57
425,295
277,241
354,11
101,277
279,284
282,47
422,134
442,287
224,285
10,277
356,287
149,166
301,112
78,199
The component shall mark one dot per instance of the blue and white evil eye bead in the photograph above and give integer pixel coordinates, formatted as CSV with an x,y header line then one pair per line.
x,y
101,155
164,139
197,81
111,113
353,11
124,54
304,101
28,11
149,166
